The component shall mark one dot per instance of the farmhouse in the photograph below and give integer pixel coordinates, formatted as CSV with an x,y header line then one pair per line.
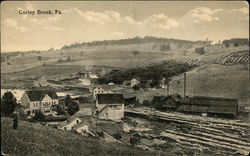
x,y
42,100
110,106
212,106
68,125
103,89
166,102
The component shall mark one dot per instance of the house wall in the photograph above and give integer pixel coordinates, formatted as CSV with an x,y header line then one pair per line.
x,y
25,101
71,124
116,113
134,82
83,128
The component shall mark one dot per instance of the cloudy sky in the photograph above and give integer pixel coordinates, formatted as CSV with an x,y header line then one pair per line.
x,y
89,21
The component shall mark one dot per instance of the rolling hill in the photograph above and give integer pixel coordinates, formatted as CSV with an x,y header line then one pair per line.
x,y
210,80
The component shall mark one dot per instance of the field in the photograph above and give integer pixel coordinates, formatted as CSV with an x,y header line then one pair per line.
x,y
35,139
210,80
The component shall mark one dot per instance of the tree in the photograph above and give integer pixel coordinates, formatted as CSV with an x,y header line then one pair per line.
x,y
73,108
68,59
39,116
8,104
68,100
59,109
135,53
200,50
39,58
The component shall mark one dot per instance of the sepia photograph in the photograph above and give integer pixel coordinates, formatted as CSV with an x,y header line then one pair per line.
x,y
125,78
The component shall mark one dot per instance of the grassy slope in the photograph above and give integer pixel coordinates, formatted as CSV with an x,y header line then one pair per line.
x,y
35,139
212,80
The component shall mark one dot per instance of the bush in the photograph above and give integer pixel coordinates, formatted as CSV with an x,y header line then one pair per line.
x,y
165,47
117,136
227,45
59,109
39,116
73,108
200,51
146,103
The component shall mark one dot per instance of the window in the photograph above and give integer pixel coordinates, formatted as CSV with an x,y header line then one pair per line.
x,y
77,121
65,128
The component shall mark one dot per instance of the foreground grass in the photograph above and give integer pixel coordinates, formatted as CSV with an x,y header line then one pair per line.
x,y
35,139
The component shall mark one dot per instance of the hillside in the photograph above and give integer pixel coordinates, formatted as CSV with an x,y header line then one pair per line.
x,y
30,139
210,80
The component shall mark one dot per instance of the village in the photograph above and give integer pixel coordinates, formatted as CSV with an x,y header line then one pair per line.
x,y
113,113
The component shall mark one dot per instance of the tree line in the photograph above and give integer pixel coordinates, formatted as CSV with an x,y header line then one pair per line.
x,y
151,75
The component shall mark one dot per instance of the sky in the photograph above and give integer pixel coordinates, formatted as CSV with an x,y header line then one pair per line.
x,y
84,21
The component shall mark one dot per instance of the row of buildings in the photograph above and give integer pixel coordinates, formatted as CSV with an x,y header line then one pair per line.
x,y
202,105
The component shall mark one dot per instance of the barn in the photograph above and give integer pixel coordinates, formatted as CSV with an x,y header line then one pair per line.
x,y
212,106
166,103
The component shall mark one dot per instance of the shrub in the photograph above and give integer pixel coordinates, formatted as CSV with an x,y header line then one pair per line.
x,y
39,116
117,136
8,104
73,108
200,51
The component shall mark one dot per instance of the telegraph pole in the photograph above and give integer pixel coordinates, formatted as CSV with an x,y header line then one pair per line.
x,y
184,85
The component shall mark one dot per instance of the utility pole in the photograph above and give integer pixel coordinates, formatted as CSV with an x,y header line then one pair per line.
x,y
184,85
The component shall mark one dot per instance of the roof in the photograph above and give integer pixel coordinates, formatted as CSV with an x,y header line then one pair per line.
x,y
38,95
84,121
110,98
162,99
93,76
106,87
209,105
69,120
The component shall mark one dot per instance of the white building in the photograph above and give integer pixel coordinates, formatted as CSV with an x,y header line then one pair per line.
x,y
134,81
39,100
110,106
103,89
70,123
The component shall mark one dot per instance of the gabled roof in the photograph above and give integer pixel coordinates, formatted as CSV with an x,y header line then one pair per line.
x,y
209,104
69,120
110,98
38,95
106,87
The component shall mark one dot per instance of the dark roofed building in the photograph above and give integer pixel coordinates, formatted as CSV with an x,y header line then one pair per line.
x,y
166,102
38,95
42,100
110,106
110,98
213,106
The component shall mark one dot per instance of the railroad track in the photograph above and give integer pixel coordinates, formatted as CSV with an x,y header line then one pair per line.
x,y
224,136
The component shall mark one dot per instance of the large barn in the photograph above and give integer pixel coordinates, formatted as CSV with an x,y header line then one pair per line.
x,y
212,106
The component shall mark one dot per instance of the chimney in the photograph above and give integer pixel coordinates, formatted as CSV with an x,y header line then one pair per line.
x,y
184,85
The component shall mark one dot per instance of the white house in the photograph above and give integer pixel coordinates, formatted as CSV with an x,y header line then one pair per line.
x,y
103,89
70,123
87,78
134,81
42,100
110,106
